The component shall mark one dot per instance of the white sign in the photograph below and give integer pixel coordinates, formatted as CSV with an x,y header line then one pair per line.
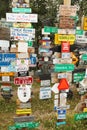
x,y
45,83
55,88
22,47
4,43
45,92
5,78
24,93
44,33
66,55
21,17
62,60
22,55
66,31
63,97
81,39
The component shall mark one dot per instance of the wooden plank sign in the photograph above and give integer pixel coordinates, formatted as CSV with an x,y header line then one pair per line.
x,y
24,118
23,80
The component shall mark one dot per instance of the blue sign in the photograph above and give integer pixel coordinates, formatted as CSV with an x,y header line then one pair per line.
x,y
6,58
61,114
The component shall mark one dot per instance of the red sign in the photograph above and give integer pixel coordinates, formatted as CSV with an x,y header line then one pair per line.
x,y
65,47
63,84
23,80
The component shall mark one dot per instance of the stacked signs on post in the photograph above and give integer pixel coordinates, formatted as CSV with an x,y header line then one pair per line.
x,y
22,35
45,53
63,63
7,66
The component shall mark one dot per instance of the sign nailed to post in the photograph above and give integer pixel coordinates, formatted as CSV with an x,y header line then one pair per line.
x,y
14,17
23,80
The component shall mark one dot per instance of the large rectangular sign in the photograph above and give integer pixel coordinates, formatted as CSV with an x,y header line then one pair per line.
x,y
50,29
63,67
23,80
21,17
65,10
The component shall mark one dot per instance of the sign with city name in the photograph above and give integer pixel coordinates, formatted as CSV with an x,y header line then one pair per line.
x,y
62,60
22,25
50,29
21,17
45,92
23,111
21,10
63,67
65,10
23,80
77,77
80,116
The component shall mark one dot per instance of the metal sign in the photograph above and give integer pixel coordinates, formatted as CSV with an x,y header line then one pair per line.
x,y
62,60
23,73
66,55
85,23
65,10
23,80
66,37
21,17
22,55
21,10
7,73
45,33
77,77
79,32
7,57
50,29
80,116
81,39
84,57
65,47
63,67
25,105
67,75
45,93
61,114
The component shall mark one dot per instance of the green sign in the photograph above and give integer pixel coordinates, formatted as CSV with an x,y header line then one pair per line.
x,y
24,125
63,67
30,43
84,57
78,77
50,29
21,10
80,116
79,32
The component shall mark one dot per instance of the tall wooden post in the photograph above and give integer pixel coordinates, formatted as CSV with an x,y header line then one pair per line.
x,y
67,2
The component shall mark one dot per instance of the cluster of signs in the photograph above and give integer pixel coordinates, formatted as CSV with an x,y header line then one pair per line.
x,y
20,58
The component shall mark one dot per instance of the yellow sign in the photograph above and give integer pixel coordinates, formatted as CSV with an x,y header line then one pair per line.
x,y
74,58
22,25
23,111
85,23
7,73
85,110
60,38
67,2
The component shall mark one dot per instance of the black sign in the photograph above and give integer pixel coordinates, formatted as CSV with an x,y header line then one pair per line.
x,y
23,73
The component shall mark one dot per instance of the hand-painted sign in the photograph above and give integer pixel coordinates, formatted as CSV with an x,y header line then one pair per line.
x,y
65,10
23,80
50,29
63,67
45,92
21,17
21,10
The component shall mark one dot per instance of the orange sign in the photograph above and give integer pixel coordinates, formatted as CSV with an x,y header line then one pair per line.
x,y
63,84
7,73
74,58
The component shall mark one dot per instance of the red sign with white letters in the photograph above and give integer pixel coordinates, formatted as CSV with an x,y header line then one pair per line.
x,y
23,80
65,47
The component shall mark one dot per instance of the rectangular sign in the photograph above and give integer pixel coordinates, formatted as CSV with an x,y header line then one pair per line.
x,y
84,57
20,4
65,47
63,67
61,114
65,10
85,23
45,93
4,43
21,17
50,29
23,80
21,10
62,60
66,31
7,57
45,83
67,75
81,39
22,25
80,116
22,55
23,111
66,37
7,73
77,77
66,22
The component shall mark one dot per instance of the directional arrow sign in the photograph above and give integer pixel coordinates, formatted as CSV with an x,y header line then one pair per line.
x,y
63,67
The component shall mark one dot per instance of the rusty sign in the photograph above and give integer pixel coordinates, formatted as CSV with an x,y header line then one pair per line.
x,y
66,22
